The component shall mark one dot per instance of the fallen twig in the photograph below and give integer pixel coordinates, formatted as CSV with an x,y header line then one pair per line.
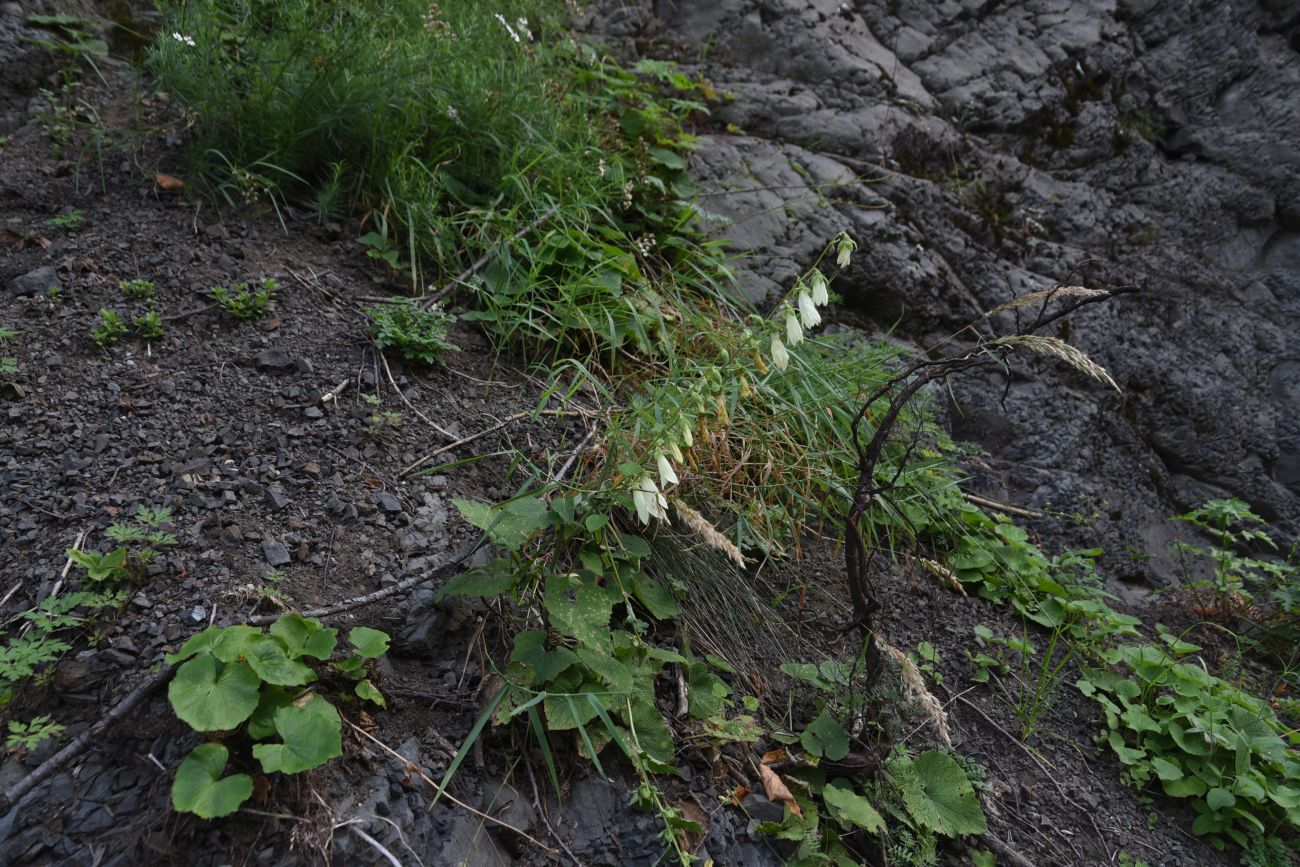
x,y
371,598
333,395
1001,507
1002,850
450,797
79,744
424,418
496,427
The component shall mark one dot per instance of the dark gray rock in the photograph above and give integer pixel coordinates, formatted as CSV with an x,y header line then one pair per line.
x,y
35,282
275,552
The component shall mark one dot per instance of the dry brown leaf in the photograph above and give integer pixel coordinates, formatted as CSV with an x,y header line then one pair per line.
x,y
775,757
777,790
20,240
167,182
691,840
739,795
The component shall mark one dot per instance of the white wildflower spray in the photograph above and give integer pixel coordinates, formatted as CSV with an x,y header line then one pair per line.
x,y
844,250
808,311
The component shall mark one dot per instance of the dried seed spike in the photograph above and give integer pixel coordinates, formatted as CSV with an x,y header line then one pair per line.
x,y
1040,295
1057,347
916,688
710,534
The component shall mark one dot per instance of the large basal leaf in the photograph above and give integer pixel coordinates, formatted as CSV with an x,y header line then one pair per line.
x,y
305,636
497,577
508,525
199,789
271,662
938,795
310,734
851,808
211,696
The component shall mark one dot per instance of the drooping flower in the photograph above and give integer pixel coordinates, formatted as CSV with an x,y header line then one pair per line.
x,y
675,452
793,330
688,438
844,254
648,501
667,475
808,311
780,357
820,296
183,39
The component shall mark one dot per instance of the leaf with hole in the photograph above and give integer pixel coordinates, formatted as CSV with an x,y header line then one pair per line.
x,y
199,788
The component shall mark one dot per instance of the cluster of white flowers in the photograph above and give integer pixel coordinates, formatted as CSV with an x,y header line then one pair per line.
x,y
183,39
520,26
645,244
803,314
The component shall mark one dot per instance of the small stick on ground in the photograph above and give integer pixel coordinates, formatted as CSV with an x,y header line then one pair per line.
x,y
1002,850
450,797
370,598
333,395
424,418
546,820
1001,507
496,427
79,744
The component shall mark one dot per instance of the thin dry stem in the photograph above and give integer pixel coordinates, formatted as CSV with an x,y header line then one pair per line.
x,y
1044,294
1058,348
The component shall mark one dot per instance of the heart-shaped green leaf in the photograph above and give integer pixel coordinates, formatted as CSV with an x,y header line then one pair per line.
x,y
213,696
826,738
199,789
305,636
938,795
310,734
271,661
850,807
368,691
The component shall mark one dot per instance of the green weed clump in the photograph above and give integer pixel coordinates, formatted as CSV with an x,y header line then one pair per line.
x,y
418,335
447,129
247,305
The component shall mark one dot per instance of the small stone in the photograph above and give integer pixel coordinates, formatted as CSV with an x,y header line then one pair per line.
x,y
196,614
275,496
313,412
275,360
275,552
35,282
388,502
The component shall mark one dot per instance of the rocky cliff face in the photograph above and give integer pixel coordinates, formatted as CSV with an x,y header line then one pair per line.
x,y
982,149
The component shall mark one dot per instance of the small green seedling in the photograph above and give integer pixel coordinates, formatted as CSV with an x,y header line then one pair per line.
x,y
25,737
111,328
243,303
149,325
71,221
137,290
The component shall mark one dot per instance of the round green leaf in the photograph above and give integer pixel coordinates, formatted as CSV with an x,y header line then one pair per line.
x,y
209,699
1220,799
370,643
938,795
269,659
199,789
305,636
310,734
826,738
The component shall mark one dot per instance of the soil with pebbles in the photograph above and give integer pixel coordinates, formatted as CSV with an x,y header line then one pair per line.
x,y
224,423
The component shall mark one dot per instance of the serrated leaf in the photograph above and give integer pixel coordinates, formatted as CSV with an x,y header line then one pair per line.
x,y
310,734
199,789
658,600
212,696
614,673
304,636
826,738
938,795
508,525
369,643
226,643
268,658
850,807
368,691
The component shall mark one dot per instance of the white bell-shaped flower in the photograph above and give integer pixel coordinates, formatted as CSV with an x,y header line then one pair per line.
x,y
793,330
820,296
667,475
780,357
808,311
